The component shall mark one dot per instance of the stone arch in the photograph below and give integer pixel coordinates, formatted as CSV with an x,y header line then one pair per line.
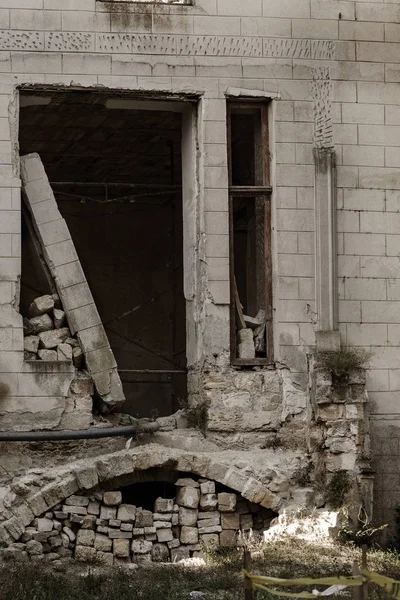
x,y
31,496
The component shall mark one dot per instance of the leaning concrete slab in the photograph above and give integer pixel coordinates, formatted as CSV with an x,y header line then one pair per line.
x,y
63,262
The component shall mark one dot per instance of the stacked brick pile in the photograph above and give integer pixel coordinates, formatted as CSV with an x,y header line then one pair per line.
x,y
99,527
47,336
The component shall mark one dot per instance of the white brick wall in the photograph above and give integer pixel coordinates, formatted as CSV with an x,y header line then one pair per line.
x,y
282,46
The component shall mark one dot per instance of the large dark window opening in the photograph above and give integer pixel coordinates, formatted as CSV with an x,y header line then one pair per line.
x,y
250,234
116,171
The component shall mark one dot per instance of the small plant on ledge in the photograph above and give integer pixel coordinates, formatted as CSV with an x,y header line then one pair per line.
x,y
342,362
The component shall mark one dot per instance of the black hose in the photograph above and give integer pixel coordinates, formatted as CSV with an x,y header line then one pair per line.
x,y
82,434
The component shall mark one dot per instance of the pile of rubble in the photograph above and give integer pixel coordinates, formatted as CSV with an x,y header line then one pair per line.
x,y
47,336
99,527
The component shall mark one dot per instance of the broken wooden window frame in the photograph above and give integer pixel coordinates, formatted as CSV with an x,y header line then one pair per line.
x,y
260,192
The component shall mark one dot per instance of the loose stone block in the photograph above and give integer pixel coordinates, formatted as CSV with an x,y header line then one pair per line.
x,y
127,513
246,348
215,520
51,339
228,538
213,529
121,548
141,546
164,535
61,515
162,516
230,521
150,530
160,553
178,554
77,501
105,558
187,482
227,502
207,487
188,497
144,518
112,498
114,523
85,553
115,534
126,527
102,543
208,515
34,547
41,306
40,324
55,542
85,537
138,531
94,507
208,502
102,529
52,556
59,318
175,519
161,525
48,355
43,524
77,519
76,510
31,343
189,535
64,353
41,536
187,516
162,505
175,543
89,522
108,512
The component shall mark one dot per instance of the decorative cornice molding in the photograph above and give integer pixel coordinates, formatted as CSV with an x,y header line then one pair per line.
x,y
173,45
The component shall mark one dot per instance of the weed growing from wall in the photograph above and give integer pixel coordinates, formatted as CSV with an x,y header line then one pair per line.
x,y
342,362
337,489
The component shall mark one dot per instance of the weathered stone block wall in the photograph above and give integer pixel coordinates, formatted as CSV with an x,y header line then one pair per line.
x,y
99,527
333,64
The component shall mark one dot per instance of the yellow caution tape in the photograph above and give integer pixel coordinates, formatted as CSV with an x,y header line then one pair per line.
x,y
347,581
391,586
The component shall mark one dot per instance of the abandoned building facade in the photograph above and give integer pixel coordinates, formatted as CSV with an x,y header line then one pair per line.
x,y
200,204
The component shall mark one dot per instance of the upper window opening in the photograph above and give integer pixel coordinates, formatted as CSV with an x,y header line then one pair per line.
x,y
249,151
250,234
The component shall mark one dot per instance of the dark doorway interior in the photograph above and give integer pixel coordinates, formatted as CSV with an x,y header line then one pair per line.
x,y
117,177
